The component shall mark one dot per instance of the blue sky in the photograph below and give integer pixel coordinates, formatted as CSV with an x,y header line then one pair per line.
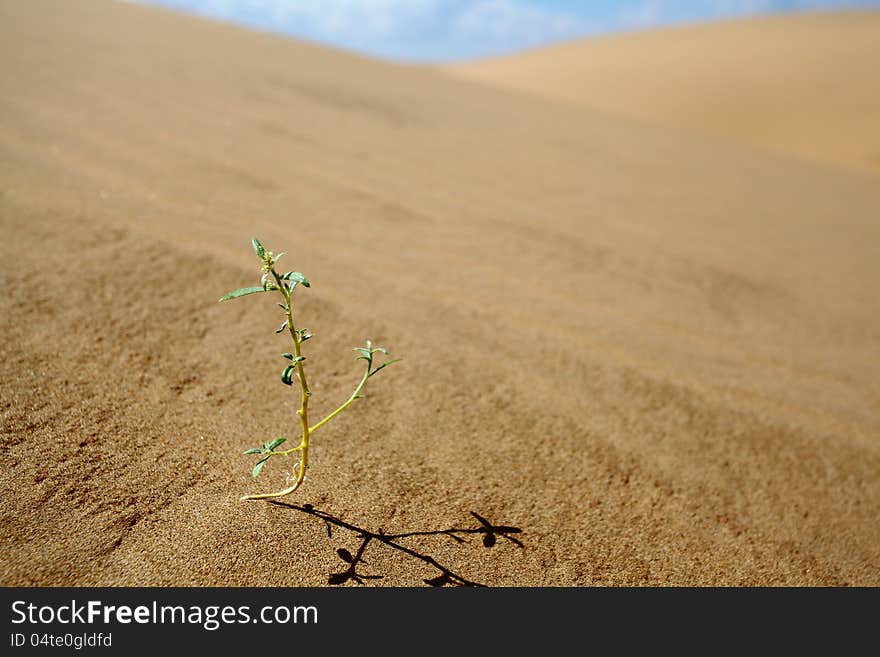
x,y
444,30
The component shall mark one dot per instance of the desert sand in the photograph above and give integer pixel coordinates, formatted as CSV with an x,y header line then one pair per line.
x,y
800,84
657,355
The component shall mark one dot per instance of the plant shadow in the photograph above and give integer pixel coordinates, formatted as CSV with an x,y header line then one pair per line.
x,y
447,577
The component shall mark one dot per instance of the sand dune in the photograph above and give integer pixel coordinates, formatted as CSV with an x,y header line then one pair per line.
x,y
656,355
801,84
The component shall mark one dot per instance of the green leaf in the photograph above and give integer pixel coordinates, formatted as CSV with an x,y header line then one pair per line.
x,y
282,327
259,250
287,356
287,375
386,364
382,349
365,353
305,335
275,443
241,292
254,450
259,466
296,277
277,257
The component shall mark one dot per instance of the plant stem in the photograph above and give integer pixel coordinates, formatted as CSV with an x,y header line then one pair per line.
x,y
303,411
348,403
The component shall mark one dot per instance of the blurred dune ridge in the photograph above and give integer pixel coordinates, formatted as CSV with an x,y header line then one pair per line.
x,y
802,84
655,354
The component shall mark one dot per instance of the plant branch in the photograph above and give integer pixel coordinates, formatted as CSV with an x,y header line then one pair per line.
x,y
354,396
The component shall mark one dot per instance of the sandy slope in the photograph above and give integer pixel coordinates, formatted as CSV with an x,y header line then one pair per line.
x,y
802,84
659,357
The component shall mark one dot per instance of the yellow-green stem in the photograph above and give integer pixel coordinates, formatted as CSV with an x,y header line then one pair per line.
x,y
348,403
303,411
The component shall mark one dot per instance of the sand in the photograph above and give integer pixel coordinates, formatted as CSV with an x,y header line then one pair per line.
x,y
800,84
656,355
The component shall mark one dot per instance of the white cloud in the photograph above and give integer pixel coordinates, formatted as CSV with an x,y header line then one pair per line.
x,y
507,19
444,29
391,27
340,18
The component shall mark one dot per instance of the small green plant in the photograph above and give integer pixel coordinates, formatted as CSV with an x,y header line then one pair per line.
x,y
285,284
